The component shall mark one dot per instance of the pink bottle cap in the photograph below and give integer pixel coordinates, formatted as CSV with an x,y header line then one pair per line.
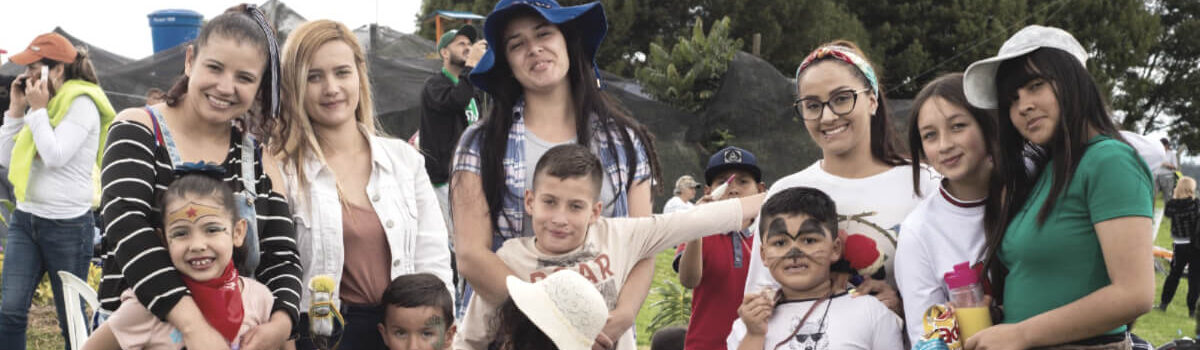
x,y
962,276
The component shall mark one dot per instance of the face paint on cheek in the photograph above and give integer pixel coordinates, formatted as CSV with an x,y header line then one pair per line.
x,y
439,326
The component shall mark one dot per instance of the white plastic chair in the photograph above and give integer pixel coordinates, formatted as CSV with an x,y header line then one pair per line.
x,y
73,289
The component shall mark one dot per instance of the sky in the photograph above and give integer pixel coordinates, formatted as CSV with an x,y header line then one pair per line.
x,y
121,26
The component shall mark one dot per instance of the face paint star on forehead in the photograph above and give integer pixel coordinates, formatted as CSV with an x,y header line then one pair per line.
x,y
193,211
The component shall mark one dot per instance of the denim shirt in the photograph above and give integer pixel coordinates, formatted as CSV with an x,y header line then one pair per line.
x,y
404,200
512,211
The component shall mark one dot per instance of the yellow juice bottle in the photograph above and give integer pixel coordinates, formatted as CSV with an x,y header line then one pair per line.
x,y
971,320
966,294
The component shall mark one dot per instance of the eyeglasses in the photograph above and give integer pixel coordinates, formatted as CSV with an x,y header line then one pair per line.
x,y
841,103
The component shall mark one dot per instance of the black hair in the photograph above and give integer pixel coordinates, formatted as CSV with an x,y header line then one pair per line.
x,y
417,290
949,87
885,145
801,200
612,117
670,338
570,161
1081,108
203,185
237,23
515,331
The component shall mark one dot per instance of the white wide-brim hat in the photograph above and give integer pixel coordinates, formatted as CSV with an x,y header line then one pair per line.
x,y
979,81
565,306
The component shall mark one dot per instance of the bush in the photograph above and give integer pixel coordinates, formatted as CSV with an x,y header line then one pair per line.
x,y
675,307
703,60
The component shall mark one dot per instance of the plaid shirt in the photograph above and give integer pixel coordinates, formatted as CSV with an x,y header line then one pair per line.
x,y
512,214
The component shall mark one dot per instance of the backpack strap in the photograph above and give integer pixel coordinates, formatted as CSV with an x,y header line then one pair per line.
x,y
249,157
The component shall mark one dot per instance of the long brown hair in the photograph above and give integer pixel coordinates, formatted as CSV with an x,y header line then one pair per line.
x,y
295,137
949,87
589,100
1081,106
884,142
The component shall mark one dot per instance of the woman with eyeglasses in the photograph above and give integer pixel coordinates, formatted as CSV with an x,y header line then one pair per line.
x,y
842,104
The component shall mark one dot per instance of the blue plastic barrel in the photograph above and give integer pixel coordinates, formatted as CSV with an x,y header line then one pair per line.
x,y
169,28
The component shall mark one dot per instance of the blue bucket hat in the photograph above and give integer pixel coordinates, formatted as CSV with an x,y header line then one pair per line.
x,y
732,158
589,18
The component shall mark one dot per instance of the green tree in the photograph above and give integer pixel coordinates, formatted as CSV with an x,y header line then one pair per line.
x,y
1163,92
426,28
917,40
690,74
790,29
1117,33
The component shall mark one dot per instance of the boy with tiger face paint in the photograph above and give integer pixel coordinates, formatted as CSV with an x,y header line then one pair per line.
x,y
799,245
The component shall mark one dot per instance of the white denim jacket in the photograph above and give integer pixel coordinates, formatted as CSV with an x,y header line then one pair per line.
x,y
404,200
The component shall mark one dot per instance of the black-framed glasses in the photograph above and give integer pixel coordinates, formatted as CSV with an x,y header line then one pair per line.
x,y
841,103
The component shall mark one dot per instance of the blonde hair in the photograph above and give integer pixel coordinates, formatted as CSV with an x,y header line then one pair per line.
x,y
1185,188
294,133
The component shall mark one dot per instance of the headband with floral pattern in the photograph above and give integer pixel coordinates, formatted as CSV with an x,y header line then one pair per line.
x,y
844,54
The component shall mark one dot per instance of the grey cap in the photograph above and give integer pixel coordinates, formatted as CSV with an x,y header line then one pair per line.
x,y
979,81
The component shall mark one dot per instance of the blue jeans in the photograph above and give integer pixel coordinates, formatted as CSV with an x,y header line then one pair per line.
x,y
37,246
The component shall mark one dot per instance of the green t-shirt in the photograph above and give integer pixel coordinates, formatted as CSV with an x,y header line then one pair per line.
x,y
1060,261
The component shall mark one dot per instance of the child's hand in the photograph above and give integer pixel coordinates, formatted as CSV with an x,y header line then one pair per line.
x,y
755,311
615,327
603,342
270,335
882,291
998,337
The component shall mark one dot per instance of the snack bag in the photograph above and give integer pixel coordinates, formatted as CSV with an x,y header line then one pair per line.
x,y
931,344
940,323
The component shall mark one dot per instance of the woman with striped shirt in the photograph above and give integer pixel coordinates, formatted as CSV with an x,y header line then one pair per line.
x,y
231,65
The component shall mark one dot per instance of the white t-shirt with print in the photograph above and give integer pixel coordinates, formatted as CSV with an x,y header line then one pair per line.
x,y
941,232
872,206
612,247
842,322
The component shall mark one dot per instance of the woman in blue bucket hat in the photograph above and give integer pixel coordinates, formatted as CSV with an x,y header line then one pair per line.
x,y
540,70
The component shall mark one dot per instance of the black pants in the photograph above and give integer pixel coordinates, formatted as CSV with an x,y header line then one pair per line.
x,y
1185,254
360,332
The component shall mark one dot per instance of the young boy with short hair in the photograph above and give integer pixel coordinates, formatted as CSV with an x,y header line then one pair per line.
x,y
799,244
715,267
570,234
419,314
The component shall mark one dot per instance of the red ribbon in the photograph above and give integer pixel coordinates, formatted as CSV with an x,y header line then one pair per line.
x,y
220,301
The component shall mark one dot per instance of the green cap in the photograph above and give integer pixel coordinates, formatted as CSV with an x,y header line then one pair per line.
x,y
467,30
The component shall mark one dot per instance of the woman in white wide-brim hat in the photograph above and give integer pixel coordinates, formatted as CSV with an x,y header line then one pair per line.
x,y
1071,256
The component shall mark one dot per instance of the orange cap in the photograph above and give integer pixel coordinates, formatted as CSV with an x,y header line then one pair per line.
x,y
49,45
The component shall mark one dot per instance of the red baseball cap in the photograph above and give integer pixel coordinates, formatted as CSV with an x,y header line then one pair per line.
x,y
49,45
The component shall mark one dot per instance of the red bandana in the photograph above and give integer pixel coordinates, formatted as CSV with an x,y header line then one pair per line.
x,y
220,300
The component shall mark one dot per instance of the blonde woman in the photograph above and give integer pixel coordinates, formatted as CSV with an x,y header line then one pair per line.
x,y
1184,211
352,190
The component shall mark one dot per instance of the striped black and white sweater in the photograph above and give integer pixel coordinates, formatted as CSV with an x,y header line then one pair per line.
x,y
135,171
